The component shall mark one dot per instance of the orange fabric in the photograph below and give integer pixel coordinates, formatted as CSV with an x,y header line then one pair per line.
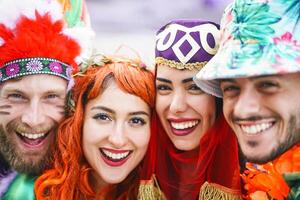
x,y
263,180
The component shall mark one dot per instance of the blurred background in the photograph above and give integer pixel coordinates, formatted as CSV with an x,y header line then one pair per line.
x,y
134,22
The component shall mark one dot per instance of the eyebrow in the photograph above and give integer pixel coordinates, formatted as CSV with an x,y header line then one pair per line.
x,y
139,113
163,80
103,108
58,91
228,80
113,112
51,91
187,80
168,81
265,76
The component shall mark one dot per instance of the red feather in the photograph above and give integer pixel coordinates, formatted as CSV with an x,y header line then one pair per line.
x,y
38,38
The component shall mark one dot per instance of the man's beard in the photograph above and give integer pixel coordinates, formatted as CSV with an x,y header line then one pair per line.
x,y
15,159
292,138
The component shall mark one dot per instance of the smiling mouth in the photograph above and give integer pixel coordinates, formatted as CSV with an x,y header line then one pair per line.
x,y
32,139
113,157
257,128
184,125
183,128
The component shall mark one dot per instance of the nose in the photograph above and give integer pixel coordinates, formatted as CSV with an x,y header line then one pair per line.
x,y
118,136
248,104
178,102
34,115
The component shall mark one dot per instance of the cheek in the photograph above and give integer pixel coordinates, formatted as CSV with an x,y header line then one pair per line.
x,y
56,112
162,105
205,106
92,132
227,109
141,139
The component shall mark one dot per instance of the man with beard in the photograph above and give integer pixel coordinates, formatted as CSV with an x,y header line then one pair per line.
x,y
257,73
38,52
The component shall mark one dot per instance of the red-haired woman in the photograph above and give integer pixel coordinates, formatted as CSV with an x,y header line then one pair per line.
x,y
198,153
102,143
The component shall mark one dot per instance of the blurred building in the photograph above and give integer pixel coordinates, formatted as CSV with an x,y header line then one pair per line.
x,y
134,22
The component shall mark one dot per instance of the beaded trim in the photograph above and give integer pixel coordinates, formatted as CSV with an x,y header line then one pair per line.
x,y
30,66
178,65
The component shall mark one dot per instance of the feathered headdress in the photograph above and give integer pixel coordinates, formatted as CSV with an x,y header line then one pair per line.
x,y
35,37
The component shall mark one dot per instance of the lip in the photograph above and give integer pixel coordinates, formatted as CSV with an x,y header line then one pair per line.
x,y
256,136
249,123
114,163
183,132
36,147
182,119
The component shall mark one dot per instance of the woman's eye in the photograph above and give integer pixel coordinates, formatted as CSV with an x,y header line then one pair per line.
x,y
137,121
163,87
195,89
102,116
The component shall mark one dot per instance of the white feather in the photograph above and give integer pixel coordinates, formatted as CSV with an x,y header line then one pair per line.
x,y
85,37
11,10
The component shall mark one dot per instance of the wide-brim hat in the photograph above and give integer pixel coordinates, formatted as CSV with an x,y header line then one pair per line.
x,y
258,38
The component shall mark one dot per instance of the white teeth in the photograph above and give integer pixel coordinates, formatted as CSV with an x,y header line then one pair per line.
x,y
33,136
257,128
115,156
184,125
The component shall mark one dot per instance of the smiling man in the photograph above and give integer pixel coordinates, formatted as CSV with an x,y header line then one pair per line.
x,y
257,72
38,52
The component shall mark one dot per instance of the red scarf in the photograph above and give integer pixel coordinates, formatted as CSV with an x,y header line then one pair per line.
x,y
181,173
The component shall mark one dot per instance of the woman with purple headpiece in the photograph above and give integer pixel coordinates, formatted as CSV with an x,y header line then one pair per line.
x,y
197,151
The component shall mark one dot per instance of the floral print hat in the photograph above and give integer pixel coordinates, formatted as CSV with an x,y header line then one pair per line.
x,y
258,37
37,37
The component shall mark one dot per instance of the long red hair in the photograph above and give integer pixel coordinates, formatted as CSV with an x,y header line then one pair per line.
x,y
69,176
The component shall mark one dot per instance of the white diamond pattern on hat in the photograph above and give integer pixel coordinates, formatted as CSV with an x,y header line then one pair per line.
x,y
171,32
194,48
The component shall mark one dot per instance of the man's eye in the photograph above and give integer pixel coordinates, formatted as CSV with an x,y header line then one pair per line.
x,y
229,90
137,121
52,96
16,97
268,85
102,117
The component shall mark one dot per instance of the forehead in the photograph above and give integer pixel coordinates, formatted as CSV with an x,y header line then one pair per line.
x,y
291,81
255,78
39,83
164,71
115,98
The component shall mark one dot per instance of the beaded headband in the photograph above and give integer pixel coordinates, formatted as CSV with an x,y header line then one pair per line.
x,y
30,66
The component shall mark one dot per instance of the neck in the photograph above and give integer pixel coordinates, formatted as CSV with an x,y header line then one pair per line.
x,y
97,182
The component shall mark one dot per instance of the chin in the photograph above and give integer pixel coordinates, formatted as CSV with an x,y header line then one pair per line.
x,y
115,180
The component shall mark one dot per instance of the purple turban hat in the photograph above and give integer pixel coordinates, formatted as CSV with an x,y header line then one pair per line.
x,y
187,44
